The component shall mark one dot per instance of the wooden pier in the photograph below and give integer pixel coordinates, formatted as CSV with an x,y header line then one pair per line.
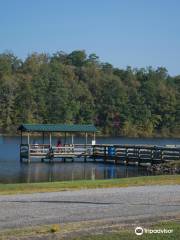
x,y
137,154
126,154
44,152
50,151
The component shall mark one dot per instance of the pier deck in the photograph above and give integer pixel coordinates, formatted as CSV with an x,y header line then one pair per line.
x,y
137,154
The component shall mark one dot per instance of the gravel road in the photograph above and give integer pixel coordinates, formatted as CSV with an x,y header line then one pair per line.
x,y
132,203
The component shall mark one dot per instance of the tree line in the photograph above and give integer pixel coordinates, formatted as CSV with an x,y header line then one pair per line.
x,y
79,88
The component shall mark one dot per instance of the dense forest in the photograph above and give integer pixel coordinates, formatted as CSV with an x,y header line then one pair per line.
x,y
79,88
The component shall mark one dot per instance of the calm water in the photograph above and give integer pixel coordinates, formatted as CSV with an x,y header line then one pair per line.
x,y
12,171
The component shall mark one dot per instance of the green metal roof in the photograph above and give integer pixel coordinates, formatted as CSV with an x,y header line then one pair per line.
x,y
57,128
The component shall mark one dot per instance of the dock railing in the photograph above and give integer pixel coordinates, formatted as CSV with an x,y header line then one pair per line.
x,y
141,153
45,150
133,153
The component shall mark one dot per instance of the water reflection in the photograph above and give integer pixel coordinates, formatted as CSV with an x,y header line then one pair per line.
x,y
12,171
41,172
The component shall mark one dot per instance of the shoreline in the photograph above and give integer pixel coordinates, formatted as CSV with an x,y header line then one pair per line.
x,y
175,137
25,188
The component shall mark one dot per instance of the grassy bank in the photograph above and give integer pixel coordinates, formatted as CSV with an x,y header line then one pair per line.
x,y
129,234
85,184
92,230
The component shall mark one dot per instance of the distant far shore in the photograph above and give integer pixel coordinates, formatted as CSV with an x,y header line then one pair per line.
x,y
158,135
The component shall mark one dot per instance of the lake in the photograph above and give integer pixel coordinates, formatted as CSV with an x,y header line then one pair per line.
x,y
12,171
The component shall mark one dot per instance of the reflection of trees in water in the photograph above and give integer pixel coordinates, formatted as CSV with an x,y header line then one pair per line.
x,y
36,172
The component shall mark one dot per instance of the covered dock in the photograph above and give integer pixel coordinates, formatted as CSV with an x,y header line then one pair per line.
x,y
108,153
49,150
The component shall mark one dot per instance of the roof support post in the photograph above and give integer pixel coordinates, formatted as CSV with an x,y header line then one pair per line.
x,y
65,135
21,136
94,136
28,138
86,137
43,137
50,139
72,139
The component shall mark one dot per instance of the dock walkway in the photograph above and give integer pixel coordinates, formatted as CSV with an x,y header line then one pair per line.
x,y
137,154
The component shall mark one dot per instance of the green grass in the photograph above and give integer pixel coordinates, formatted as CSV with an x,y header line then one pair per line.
x,y
83,231
85,184
129,234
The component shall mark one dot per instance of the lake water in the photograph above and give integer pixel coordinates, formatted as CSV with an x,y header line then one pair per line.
x,y
12,171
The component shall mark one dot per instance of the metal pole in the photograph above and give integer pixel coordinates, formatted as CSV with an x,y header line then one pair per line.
x,y
28,138
21,136
65,139
94,136
72,139
50,140
86,137
43,137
